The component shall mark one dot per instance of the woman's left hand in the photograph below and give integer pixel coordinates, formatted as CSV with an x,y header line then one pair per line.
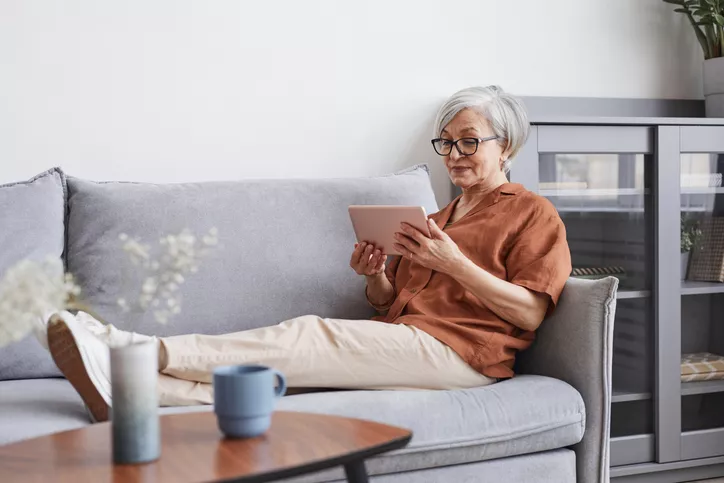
x,y
438,252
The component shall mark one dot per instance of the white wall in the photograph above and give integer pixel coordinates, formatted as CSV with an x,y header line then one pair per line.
x,y
176,90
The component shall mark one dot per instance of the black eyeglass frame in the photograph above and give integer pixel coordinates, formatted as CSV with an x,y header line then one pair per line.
x,y
455,144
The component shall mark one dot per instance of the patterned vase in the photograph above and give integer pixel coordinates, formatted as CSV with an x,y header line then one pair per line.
x,y
134,413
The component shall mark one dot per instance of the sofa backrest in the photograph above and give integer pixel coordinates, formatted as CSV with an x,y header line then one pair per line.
x,y
284,246
31,226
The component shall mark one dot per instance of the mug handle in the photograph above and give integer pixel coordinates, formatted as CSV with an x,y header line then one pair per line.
x,y
281,389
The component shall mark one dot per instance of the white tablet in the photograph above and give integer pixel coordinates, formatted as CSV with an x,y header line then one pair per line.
x,y
377,224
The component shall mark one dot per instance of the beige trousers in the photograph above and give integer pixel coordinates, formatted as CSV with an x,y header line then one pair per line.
x,y
313,352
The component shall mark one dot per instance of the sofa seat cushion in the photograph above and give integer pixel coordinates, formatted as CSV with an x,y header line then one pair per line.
x,y
36,407
526,414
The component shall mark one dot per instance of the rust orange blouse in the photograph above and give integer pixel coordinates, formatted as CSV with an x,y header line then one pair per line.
x,y
512,233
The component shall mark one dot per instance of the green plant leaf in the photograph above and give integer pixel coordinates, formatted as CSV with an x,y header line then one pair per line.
x,y
675,2
712,38
681,10
719,19
711,2
700,37
710,32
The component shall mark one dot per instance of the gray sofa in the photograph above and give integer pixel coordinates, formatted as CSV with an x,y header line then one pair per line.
x,y
285,247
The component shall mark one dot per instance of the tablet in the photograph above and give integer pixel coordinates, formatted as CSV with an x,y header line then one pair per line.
x,y
378,223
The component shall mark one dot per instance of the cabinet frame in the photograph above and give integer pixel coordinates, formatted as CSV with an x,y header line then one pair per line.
x,y
666,141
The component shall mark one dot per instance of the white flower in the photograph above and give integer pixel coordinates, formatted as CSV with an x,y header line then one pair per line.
x,y
150,286
161,316
123,304
138,252
163,275
29,291
212,238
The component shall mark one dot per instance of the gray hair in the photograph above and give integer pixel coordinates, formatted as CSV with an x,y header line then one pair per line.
x,y
505,113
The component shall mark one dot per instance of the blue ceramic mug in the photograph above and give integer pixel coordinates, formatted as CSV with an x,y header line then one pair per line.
x,y
244,398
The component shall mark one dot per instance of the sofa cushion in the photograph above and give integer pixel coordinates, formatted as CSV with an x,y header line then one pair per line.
x,y
36,407
284,246
32,220
526,414
556,466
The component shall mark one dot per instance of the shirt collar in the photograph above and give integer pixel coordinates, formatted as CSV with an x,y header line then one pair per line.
x,y
511,188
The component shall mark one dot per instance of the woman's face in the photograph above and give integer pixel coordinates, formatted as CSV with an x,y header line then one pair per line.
x,y
482,168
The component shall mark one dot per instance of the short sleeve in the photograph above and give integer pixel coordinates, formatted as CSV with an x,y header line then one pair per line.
x,y
540,259
390,272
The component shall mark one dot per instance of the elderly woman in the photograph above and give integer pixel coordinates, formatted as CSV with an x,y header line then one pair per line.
x,y
456,307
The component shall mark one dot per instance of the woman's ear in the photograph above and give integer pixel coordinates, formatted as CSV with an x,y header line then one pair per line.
x,y
503,159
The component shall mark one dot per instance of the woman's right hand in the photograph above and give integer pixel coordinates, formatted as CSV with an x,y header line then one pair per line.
x,y
367,260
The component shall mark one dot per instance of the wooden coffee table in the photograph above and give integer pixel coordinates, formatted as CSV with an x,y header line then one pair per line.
x,y
193,450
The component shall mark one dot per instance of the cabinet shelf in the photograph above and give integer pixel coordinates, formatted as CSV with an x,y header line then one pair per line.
x,y
701,387
633,294
702,191
695,288
595,192
597,209
628,396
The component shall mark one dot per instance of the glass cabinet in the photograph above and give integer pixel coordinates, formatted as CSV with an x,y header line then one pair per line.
x,y
644,202
701,164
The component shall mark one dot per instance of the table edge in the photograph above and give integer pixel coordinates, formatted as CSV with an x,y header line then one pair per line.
x,y
315,466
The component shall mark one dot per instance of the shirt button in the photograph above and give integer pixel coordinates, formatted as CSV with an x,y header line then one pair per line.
x,y
413,290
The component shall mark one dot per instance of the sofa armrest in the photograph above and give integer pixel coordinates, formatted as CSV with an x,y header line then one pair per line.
x,y
574,344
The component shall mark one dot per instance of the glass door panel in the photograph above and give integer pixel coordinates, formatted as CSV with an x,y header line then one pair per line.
x,y
702,304
602,199
605,201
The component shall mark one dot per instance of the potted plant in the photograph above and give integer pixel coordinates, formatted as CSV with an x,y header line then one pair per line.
x,y
707,20
690,234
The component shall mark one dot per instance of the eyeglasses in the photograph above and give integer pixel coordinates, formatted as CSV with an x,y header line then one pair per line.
x,y
465,146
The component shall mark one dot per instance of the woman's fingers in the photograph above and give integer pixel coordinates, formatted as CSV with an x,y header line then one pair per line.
x,y
405,241
361,256
374,259
380,263
369,249
366,260
356,255
413,233
362,253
